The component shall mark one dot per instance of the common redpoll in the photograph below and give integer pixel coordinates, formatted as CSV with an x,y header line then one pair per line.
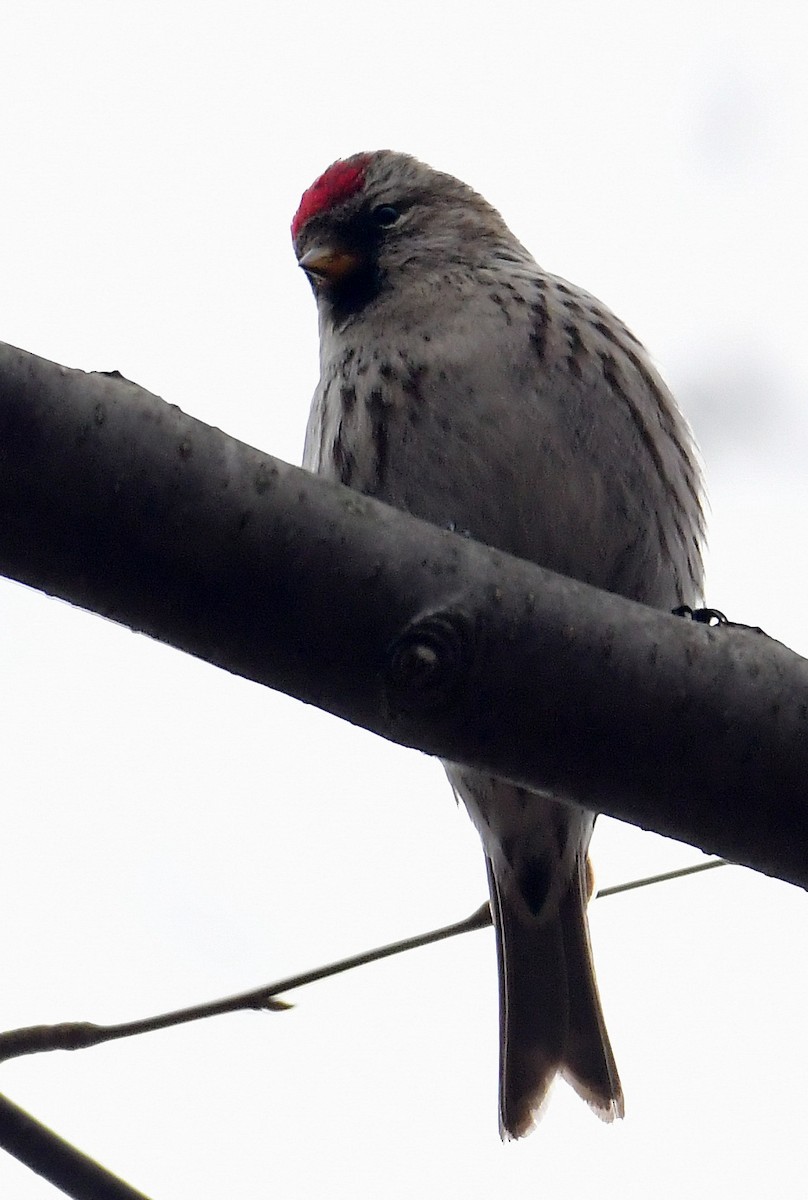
x,y
463,383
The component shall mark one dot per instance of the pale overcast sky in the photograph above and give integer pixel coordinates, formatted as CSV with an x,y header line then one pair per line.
x,y
171,833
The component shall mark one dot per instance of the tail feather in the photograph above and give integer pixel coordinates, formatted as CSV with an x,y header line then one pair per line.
x,y
530,1050
589,1064
550,1015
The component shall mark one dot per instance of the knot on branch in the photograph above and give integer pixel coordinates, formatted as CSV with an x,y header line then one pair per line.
x,y
427,664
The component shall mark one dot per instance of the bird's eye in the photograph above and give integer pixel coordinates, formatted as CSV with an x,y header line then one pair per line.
x,y
385,215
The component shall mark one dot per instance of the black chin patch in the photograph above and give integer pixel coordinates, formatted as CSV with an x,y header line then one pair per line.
x,y
353,293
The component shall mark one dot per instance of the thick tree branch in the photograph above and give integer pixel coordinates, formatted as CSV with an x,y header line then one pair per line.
x,y
122,504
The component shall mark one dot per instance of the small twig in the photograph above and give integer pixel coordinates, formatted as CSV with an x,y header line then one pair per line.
x,y
663,878
79,1035
56,1160
83,1179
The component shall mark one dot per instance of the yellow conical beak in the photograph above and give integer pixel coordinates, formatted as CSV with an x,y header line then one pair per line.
x,y
329,263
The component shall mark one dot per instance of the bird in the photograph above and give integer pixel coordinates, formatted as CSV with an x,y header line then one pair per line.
x,y
463,383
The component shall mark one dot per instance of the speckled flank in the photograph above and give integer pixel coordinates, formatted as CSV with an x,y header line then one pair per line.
x,y
378,413
577,323
343,457
577,349
540,319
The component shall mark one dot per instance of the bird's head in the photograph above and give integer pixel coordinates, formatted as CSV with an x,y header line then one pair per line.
x,y
376,222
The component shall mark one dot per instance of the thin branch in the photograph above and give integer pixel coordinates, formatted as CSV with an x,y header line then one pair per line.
x,y
81,1177
79,1035
50,1156
679,873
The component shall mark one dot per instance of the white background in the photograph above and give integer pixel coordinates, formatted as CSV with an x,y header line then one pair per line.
x,y
170,833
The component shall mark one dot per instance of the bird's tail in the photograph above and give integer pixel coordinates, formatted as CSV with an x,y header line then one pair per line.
x,y
550,1015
